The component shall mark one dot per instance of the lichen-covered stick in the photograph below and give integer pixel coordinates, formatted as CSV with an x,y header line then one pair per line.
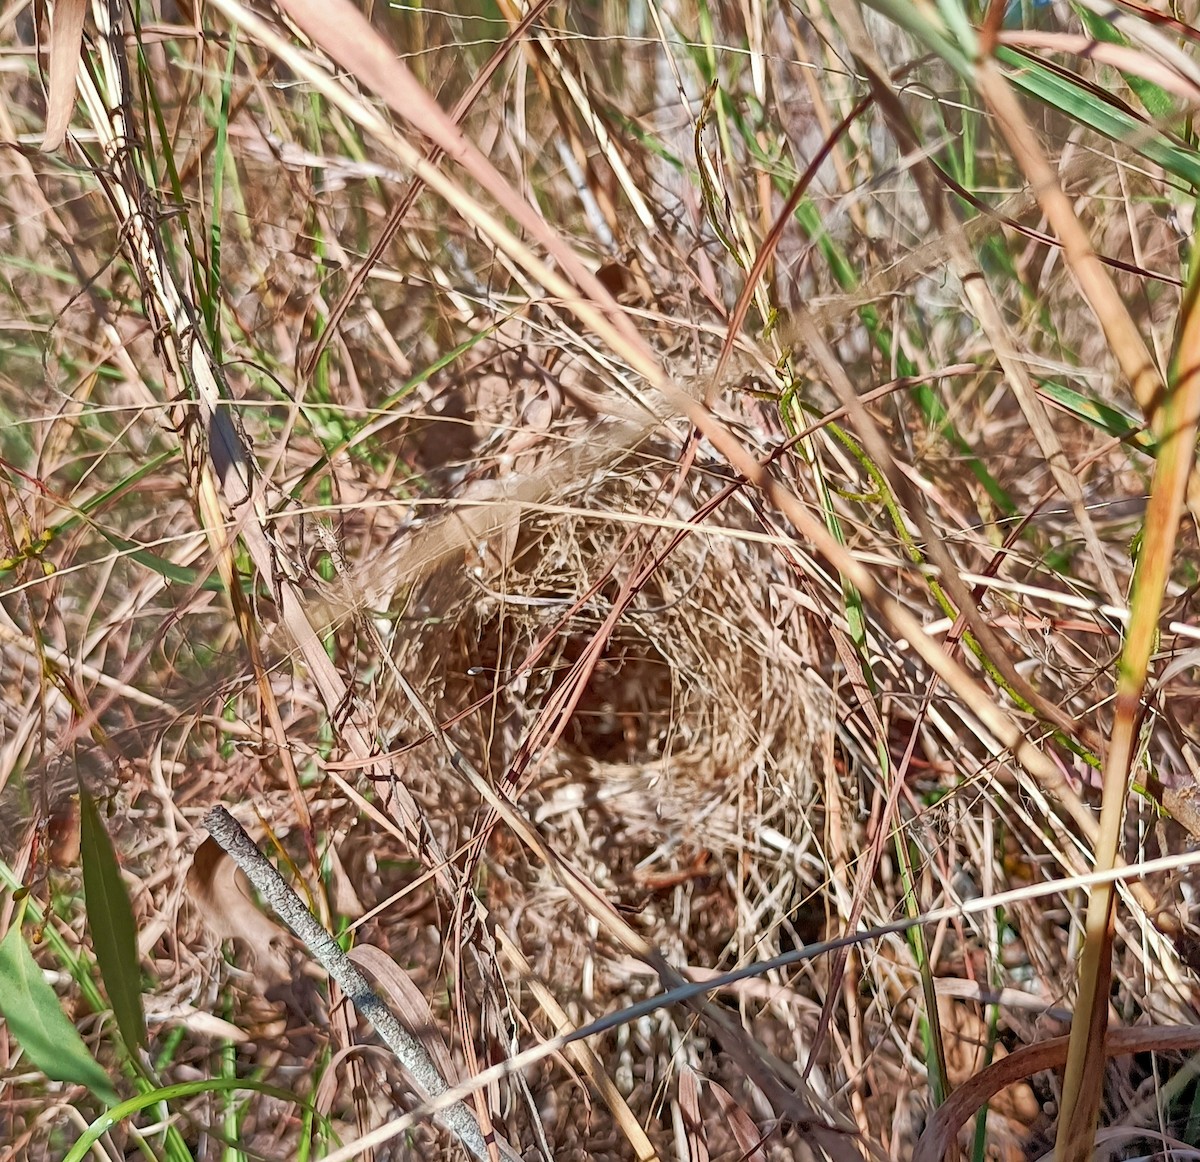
x,y
458,1118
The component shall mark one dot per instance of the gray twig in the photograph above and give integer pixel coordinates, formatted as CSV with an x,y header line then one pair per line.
x,y
458,1118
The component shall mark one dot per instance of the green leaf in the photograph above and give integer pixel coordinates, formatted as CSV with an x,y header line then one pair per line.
x,y
1100,415
38,1024
1069,94
1156,99
110,920
945,31
160,565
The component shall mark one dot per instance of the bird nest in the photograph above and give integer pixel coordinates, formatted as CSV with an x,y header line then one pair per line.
x,y
610,651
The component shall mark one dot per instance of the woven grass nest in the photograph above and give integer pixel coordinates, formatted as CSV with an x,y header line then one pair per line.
x,y
696,728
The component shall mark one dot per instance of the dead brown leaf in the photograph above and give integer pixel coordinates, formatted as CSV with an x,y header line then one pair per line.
x,y
740,1125
945,1122
693,1123
222,898
410,1004
66,36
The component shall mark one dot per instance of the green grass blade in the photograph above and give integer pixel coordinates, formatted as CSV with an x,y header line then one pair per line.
x,y
930,1020
352,436
953,39
110,920
169,1093
1068,94
1157,100
160,565
935,413
211,299
1103,416
157,564
38,1024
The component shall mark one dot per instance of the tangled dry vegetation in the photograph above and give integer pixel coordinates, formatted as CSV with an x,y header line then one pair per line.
x,y
694,522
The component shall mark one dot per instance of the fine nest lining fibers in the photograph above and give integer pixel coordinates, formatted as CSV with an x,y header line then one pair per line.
x,y
699,723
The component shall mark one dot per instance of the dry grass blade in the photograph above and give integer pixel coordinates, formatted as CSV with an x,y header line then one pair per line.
x,y
1124,339
694,1136
1176,426
744,1131
1120,56
643,1148
397,89
342,31
998,724
985,309
66,36
396,218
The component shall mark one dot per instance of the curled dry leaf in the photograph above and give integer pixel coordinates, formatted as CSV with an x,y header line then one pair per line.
x,y
944,1123
1011,1113
410,1004
66,36
222,898
327,1088
740,1124
693,1123
345,898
